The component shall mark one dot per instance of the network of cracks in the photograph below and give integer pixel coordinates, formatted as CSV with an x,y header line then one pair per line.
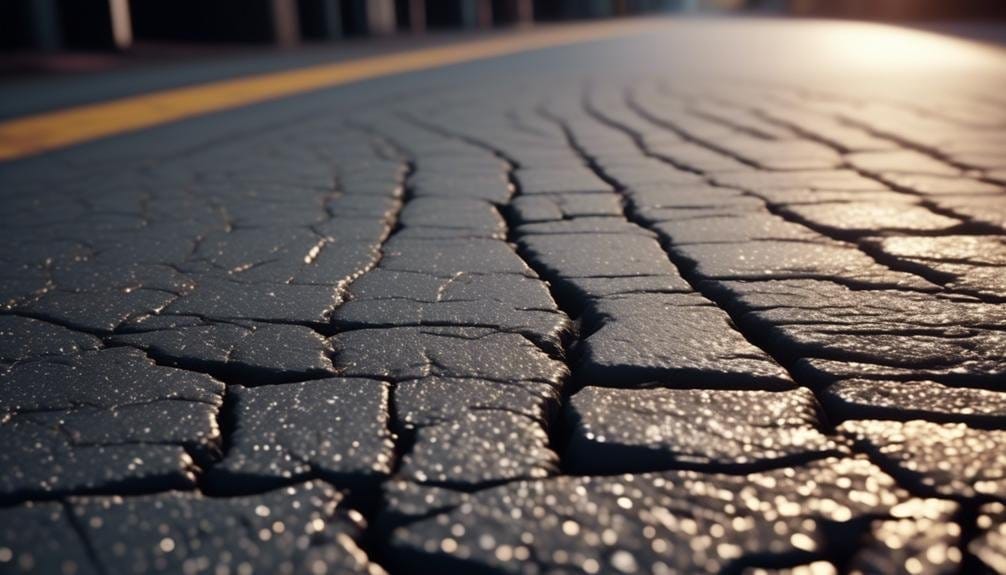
x,y
593,328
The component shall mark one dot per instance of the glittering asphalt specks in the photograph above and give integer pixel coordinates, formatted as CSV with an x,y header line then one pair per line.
x,y
626,325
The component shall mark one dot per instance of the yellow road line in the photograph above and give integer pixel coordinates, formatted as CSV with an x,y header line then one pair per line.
x,y
30,135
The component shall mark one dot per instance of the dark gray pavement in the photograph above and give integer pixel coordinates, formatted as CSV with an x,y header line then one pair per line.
x,y
721,296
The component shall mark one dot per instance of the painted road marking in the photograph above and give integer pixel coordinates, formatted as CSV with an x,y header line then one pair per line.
x,y
47,131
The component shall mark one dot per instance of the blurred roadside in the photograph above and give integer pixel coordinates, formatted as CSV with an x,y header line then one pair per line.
x,y
39,36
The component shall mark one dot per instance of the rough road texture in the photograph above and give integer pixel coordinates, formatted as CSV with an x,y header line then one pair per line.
x,y
572,322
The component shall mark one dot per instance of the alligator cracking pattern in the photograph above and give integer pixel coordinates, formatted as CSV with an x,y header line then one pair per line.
x,y
583,328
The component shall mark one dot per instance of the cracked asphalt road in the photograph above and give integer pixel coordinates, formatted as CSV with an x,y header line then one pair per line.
x,y
718,296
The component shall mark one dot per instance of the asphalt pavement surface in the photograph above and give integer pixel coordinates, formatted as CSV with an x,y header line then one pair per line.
x,y
710,296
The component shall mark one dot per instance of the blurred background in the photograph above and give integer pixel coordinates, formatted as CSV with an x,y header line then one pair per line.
x,y
40,34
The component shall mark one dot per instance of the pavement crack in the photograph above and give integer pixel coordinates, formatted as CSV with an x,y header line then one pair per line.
x,y
770,206
701,285
555,422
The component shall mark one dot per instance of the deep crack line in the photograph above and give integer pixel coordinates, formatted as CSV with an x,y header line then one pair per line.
x,y
371,501
401,199
964,520
967,224
769,206
555,428
687,273
694,282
